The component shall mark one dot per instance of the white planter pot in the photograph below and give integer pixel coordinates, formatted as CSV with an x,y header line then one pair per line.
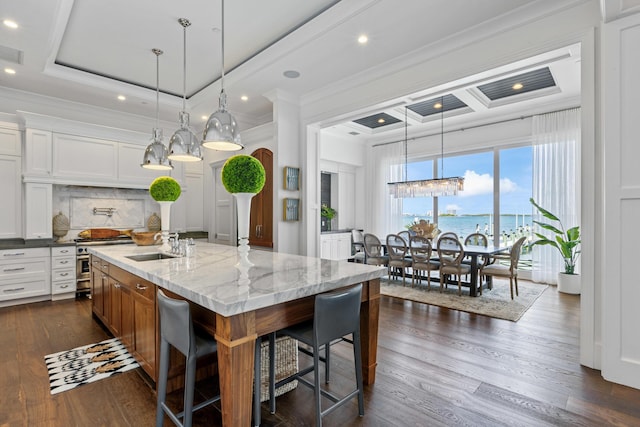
x,y
569,283
243,203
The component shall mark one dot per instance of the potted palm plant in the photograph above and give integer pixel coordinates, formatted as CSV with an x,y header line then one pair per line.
x,y
567,242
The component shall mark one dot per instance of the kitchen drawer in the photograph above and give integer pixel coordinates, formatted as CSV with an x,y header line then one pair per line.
x,y
24,289
63,287
13,254
63,251
144,289
18,269
63,262
65,274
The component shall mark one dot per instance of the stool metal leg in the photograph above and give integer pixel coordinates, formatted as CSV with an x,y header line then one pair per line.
x,y
257,362
189,389
162,382
272,372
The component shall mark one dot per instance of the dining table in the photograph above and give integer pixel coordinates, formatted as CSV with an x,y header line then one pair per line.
x,y
474,252
238,298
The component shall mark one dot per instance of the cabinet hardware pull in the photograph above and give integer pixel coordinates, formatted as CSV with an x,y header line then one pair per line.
x,y
64,274
64,262
64,251
64,286
116,285
13,290
15,254
140,287
14,269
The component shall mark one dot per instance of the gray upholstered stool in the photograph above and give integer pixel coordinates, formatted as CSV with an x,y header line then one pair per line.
x,y
176,329
336,315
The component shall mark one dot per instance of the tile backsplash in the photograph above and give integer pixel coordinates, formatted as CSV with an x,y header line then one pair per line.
x,y
88,207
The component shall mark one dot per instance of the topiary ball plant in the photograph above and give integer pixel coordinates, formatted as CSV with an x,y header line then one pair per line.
x,y
165,189
243,174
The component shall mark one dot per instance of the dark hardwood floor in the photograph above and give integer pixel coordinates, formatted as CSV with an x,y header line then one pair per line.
x,y
436,367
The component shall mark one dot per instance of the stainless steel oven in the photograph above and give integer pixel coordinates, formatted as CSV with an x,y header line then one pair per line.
x,y
83,271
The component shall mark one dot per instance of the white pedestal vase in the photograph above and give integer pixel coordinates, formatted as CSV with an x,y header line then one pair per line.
x,y
243,205
165,224
569,283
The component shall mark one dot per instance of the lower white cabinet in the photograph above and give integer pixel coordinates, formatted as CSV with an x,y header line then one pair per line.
x,y
25,275
63,272
335,246
38,210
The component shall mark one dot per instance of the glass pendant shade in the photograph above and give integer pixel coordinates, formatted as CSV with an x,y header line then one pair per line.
x,y
155,156
184,145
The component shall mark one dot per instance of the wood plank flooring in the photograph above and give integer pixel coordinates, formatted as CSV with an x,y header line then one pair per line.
x,y
436,367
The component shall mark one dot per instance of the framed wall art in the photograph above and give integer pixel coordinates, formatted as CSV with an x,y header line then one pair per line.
x,y
291,209
291,178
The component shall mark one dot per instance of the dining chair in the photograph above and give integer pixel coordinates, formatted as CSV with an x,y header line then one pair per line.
x,y
406,236
336,315
450,256
357,246
176,329
373,250
510,271
421,250
477,239
398,250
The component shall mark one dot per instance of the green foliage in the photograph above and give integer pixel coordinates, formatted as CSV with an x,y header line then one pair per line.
x,y
165,189
567,242
327,212
243,174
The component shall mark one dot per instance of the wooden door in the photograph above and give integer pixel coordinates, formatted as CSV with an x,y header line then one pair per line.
x,y
261,224
144,325
115,307
96,288
126,317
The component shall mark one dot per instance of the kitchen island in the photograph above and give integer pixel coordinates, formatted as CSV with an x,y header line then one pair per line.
x,y
240,303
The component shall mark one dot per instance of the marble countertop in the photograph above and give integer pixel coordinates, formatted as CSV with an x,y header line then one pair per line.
x,y
214,279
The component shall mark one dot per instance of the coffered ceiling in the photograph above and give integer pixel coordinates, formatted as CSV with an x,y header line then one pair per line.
x,y
90,52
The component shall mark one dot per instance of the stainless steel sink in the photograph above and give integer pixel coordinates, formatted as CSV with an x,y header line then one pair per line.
x,y
150,257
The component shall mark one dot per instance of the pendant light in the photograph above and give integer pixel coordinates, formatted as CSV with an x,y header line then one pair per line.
x,y
184,145
155,156
427,187
221,132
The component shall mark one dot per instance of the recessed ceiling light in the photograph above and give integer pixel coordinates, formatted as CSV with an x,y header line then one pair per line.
x,y
122,98
9,23
363,39
204,117
380,120
517,86
244,98
437,105
292,74
9,71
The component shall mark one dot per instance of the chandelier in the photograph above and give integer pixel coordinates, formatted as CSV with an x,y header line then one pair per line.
x,y
426,187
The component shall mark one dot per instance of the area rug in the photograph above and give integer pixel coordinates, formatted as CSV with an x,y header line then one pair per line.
x,y
86,364
493,303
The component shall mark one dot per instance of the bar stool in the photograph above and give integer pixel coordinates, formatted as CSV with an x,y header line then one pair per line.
x,y
336,315
257,374
176,329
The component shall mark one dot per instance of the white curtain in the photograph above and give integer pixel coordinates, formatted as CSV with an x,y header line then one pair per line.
x,y
384,213
556,182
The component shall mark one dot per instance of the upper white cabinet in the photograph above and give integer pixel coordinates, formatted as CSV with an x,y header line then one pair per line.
x,y
10,141
89,159
38,210
11,212
37,153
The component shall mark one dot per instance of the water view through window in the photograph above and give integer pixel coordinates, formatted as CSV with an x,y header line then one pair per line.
x,y
472,210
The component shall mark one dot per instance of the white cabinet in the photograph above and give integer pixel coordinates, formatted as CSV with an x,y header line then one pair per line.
x,y
11,212
24,275
335,246
10,142
63,272
38,210
88,159
194,201
37,153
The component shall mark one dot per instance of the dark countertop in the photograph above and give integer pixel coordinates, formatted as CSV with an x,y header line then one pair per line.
x,y
33,243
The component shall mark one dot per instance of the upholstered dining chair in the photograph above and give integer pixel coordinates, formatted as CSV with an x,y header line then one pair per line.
x,y
373,249
357,246
511,270
450,256
398,256
477,239
421,249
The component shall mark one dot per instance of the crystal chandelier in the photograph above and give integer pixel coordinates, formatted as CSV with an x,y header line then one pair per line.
x,y
426,187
